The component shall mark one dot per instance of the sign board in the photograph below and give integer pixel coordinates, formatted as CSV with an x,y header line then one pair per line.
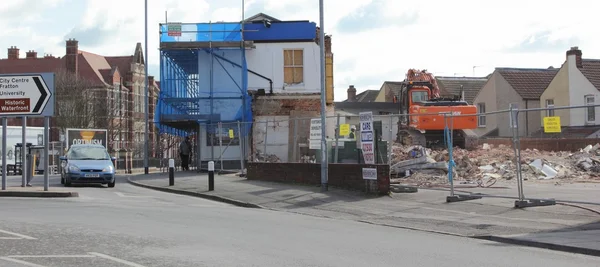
x,y
552,124
369,173
27,95
367,137
174,29
231,135
315,134
344,129
87,136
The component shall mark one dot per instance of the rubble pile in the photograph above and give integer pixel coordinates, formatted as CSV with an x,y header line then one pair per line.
x,y
495,163
270,158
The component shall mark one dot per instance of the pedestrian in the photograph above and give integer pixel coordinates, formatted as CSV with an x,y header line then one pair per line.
x,y
351,135
184,153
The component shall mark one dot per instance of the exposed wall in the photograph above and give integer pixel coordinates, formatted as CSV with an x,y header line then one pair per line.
x,y
267,59
558,90
276,139
488,95
347,176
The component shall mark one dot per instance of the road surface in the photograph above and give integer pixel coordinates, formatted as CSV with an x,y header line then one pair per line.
x,y
131,226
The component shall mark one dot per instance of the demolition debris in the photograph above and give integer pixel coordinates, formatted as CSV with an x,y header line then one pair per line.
x,y
494,163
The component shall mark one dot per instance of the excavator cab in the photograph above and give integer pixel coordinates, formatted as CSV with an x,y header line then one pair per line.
x,y
420,98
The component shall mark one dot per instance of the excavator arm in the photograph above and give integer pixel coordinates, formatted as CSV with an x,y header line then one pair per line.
x,y
414,75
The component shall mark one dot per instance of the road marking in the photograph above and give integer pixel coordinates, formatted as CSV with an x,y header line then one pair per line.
x,y
128,263
49,256
16,259
15,234
21,262
123,195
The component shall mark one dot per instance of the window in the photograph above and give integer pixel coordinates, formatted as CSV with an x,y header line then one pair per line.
x,y
481,110
550,107
590,112
293,66
419,96
87,153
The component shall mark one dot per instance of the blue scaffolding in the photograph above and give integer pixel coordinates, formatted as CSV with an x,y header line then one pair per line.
x,y
204,77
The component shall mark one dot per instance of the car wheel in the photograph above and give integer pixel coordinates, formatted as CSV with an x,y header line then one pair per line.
x,y
111,185
67,182
62,180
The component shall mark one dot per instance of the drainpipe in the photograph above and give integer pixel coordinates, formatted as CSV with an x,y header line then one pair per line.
x,y
249,70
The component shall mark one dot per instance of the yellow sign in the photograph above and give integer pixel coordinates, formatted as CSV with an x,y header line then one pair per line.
x,y
344,129
231,136
552,124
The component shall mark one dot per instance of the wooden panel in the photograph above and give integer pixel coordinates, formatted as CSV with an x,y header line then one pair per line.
x,y
298,74
298,57
288,57
288,75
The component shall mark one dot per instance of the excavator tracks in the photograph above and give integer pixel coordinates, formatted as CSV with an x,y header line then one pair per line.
x,y
429,139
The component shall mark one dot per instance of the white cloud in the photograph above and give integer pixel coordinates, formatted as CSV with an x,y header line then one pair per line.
x,y
448,37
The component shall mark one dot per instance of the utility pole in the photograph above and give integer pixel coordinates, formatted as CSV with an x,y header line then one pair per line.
x,y
324,161
146,100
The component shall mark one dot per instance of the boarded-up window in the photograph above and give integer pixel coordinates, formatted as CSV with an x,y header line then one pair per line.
x,y
293,66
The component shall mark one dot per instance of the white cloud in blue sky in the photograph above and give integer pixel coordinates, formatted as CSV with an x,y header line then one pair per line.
x,y
373,40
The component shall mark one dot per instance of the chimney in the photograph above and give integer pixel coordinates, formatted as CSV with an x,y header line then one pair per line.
x,y
327,44
574,51
317,36
72,56
13,52
31,54
150,81
351,94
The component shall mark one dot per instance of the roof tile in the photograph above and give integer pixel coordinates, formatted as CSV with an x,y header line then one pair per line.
x,y
528,83
450,86
591,70
366,96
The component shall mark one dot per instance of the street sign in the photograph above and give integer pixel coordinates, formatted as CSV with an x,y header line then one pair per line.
x,y
174,29
27,95
366,137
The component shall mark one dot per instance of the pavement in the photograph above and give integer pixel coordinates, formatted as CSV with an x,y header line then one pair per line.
x,y
134,226
490,218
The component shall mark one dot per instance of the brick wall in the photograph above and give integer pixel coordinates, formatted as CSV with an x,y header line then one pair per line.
x,y
273,106
347,176
545,144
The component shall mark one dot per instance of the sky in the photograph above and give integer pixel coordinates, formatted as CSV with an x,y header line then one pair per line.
x,y
373,40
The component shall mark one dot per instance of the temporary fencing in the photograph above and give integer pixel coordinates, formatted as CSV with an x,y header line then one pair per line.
x,y
550,145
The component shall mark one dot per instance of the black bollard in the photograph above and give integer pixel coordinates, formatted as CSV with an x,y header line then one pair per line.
x,y
171,172
211,176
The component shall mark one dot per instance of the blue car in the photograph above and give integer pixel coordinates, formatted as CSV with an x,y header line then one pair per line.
x,y
87,164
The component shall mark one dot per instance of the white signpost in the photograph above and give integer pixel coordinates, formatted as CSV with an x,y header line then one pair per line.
x,y
26,95
367,137
315,134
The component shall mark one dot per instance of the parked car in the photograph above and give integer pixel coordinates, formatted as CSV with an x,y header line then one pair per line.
x,y
88,163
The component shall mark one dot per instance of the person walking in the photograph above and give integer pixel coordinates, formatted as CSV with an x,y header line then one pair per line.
x,y
184,152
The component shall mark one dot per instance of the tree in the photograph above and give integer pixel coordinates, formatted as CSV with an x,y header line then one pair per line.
x,y
83,104
74,99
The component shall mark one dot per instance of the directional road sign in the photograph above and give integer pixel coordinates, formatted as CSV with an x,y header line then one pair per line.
x,y
27,94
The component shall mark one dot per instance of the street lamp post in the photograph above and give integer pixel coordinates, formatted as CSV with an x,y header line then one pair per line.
x,y
324,160
146,87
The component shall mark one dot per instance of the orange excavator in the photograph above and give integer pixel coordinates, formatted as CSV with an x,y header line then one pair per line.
x,y
426,123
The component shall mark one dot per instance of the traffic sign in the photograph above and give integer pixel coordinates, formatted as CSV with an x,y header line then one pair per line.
x,y
27,94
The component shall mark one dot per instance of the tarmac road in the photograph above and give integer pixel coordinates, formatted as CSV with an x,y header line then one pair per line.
x,y
132,226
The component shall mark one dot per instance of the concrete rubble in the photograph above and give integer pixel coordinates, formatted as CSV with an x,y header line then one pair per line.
x,y
495,162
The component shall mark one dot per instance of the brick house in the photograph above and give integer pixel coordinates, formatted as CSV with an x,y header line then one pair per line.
x,y
118,79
